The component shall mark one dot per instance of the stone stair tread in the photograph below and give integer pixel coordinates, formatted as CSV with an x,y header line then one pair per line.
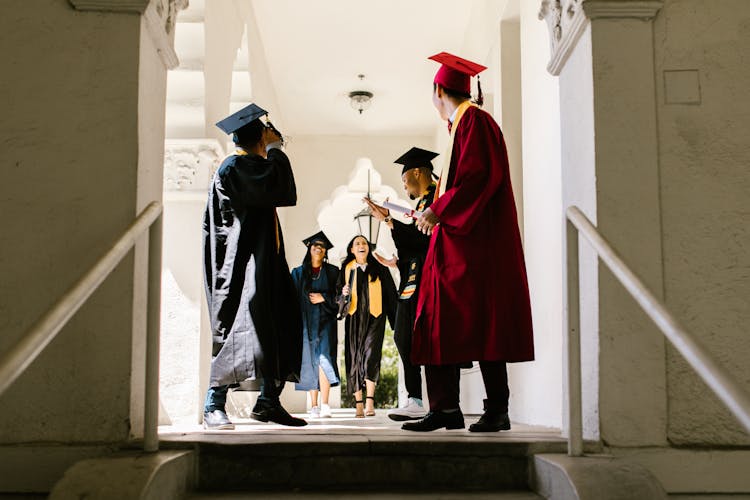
x,y
508,495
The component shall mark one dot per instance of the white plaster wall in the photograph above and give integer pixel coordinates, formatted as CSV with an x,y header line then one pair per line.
x,y
69,160
579,189
705,181
536,387
322,163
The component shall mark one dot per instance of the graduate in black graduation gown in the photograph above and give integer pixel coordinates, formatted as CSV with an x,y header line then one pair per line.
x,y
373,299
411,244
252,303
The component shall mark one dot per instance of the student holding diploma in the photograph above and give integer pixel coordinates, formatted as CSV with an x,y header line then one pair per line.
x,y
411,245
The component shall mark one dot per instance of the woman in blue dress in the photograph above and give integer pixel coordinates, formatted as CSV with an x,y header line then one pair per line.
x,y
315,281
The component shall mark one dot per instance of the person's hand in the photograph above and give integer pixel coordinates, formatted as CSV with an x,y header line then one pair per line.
x,y
427,222
392,262
378,212
345,290
316,298
270,136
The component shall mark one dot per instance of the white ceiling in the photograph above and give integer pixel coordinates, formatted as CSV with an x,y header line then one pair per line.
x,y
315,50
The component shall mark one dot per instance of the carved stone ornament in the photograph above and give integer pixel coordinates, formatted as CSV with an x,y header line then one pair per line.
x,y
160,17
567,20
190,164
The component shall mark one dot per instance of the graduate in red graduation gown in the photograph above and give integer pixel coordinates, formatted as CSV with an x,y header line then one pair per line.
x,y
474,301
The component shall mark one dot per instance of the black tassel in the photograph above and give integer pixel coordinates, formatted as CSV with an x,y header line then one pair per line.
x,y
480,97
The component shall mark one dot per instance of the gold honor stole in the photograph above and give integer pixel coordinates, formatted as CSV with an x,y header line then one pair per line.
x,y
374,289
443,180
242,152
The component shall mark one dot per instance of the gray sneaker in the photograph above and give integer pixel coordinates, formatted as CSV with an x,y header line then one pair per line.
x,y
217,420
413,410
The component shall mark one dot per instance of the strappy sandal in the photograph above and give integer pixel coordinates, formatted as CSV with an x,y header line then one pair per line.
x,y
359,414
370,413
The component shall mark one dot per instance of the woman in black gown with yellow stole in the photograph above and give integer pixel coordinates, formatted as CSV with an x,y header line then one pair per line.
x,y
372,295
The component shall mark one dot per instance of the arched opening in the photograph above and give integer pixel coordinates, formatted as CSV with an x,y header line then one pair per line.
x,y
307,97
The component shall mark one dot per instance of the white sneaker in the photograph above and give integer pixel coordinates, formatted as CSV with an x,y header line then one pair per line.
x,y
325,411
413,410
315,412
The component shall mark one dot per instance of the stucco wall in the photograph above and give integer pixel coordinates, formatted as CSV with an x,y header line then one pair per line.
x,y
69,158
702,79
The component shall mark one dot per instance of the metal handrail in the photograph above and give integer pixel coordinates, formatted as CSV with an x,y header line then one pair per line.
x,y
731,393
14,362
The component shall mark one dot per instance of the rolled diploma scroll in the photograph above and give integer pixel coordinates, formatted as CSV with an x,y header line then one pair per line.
x,y
408,212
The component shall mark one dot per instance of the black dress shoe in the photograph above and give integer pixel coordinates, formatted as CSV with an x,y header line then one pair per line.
x,y
436,420
269,412
491,422
217,420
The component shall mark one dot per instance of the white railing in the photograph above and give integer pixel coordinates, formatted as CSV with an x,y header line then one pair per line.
x,y
19,357
713,374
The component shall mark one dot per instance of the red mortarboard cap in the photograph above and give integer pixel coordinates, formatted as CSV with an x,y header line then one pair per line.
x,y
455,72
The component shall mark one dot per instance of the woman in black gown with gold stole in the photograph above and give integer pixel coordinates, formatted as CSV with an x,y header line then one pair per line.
x,y
372,300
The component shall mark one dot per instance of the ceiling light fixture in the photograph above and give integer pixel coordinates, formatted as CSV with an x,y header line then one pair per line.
x,y
360,100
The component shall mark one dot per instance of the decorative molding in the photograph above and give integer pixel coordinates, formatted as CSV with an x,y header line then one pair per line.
x,y
567,20
138,6
160,17
602,9
190,164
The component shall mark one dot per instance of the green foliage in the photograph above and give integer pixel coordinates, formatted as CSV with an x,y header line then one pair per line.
x,y
386,392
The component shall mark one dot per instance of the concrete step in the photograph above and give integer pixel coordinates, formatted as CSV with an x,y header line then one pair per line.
x,y
364,455
358,495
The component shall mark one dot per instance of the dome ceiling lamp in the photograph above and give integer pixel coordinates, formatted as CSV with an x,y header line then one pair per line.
x,y
360,100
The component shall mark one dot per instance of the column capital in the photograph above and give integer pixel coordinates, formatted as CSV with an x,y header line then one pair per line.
x,y
189,164
159,17
136,6
622,9
567,20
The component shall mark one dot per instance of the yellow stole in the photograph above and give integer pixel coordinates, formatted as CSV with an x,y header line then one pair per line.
x,y
242,152
443,180
374,289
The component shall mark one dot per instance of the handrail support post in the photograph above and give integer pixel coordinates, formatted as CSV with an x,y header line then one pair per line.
x,y
575,410
151,403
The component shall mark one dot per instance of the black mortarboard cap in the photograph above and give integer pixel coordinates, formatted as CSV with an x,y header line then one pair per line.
x,y
241,118
319,236
416,157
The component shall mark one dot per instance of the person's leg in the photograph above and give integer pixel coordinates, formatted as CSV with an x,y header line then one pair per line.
x,y
413,409
214,409
443,391
325,392
442,387
325,387
402,337
268,407
216,398
495,376
314,398
495,417
359,404
370,399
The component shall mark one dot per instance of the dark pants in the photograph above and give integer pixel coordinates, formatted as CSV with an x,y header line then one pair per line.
x,y
216,398
443,386
402,337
